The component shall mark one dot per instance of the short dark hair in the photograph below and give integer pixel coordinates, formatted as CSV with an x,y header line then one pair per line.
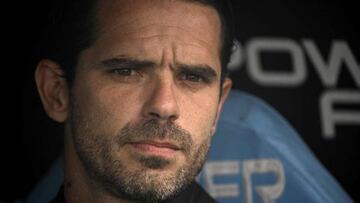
x,y
72,28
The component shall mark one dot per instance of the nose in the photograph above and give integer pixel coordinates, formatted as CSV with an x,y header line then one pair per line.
x,y
162,102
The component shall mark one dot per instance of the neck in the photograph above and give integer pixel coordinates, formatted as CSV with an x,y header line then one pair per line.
x,y
78,186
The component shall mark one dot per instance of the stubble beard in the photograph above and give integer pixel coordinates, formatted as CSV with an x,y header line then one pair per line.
x,y
147,183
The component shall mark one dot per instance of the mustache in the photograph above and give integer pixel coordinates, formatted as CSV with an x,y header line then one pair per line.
x,y
153,130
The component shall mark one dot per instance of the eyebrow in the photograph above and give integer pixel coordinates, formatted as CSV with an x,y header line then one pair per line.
x,y
125,62
202,69
128,62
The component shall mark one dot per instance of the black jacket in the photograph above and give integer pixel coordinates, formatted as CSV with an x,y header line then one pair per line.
x,y
192,194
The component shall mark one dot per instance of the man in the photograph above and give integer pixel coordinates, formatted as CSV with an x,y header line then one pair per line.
x,y
139,100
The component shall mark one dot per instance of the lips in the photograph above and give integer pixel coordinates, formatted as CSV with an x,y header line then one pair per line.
x,y
157,148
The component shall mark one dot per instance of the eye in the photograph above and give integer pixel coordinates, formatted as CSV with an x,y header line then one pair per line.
x,y
193,77
124,71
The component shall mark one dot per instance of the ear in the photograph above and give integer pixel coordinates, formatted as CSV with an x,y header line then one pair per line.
x,y
53,89
226,87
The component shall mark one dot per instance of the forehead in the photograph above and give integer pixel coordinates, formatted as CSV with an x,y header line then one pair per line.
x,y
192,23
134,13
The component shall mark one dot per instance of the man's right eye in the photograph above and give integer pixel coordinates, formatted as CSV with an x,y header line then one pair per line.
x,y
123,74
124,71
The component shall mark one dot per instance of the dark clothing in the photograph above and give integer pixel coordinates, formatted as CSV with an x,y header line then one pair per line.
x,y
192,194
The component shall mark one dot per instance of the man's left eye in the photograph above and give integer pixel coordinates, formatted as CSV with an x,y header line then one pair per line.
x,y
193,77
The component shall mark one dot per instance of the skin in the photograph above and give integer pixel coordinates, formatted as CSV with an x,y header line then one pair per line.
x,y
152,61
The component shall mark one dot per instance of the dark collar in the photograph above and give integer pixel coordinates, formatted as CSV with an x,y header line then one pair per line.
x,y
194,193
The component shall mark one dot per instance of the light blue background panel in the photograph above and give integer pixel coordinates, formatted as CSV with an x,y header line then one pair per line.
x,y
256,156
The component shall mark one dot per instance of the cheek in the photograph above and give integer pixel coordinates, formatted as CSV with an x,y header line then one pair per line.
x,y
199,116
120,105
107,109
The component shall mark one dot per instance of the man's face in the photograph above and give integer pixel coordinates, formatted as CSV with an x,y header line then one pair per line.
x,y
145,98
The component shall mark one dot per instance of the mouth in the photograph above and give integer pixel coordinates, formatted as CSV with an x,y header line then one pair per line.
x,y
156,148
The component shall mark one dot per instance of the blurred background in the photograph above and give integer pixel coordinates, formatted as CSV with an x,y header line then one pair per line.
x,y
302,57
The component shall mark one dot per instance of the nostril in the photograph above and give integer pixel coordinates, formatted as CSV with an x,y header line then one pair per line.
x,y
170,118
153,114
173,118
